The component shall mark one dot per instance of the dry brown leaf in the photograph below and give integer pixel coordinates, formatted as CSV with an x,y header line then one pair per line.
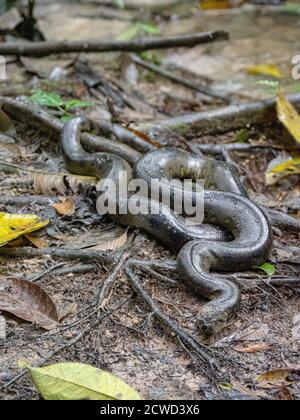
x,y
37,242
66,207
275,378
29,302
253,348
106,240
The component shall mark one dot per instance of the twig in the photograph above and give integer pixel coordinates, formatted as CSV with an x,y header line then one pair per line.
x,y
44,273
40,49
81,269
203,352
177,79
111,278
220,120
66,254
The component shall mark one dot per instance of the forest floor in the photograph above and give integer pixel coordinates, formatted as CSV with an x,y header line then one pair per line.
x,y
130,342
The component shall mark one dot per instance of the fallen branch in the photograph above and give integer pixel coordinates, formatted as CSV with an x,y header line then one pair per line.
x,y
44,48
220,120
177,79
66,254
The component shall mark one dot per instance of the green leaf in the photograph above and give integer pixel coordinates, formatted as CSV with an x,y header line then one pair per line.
x,y
242,136
268,268
76,381
119,3
271,86
150,29
49,99
77,103
130,33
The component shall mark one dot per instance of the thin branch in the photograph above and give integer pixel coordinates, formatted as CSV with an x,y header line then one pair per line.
x,y
177,79
66,254
40,49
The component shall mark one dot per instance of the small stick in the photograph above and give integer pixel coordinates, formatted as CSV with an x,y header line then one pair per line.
x,y
177,79
44,48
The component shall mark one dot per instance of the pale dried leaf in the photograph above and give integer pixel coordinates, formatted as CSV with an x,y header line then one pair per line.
x,y
106,240
254,348
66,207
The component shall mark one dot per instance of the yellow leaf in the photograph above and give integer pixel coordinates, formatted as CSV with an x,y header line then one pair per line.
x,y
76,381
215,4
265,69
283,169
288,116
14,225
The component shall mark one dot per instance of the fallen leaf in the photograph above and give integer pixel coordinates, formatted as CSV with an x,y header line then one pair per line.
x,y
14,225
76,381
106,240
28,301
49,183
66,207
254,348
288,116
268,268
37,242
275,378
265,69
281,170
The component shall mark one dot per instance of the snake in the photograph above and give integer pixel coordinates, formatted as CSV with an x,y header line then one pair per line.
x,y
236,234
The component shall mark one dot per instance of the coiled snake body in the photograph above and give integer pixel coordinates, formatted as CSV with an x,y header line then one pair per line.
x,y
236,235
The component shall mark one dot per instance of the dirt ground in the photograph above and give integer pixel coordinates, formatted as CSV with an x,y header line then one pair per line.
x,y
130,341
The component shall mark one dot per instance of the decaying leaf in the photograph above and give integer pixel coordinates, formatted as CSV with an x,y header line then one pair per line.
x,y
37,242
288,116
265,69
49,183
14,225
66,207
253,348
76,381
275,378
106,240
28,301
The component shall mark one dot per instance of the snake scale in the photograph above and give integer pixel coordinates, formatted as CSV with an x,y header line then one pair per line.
x,y
235,235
